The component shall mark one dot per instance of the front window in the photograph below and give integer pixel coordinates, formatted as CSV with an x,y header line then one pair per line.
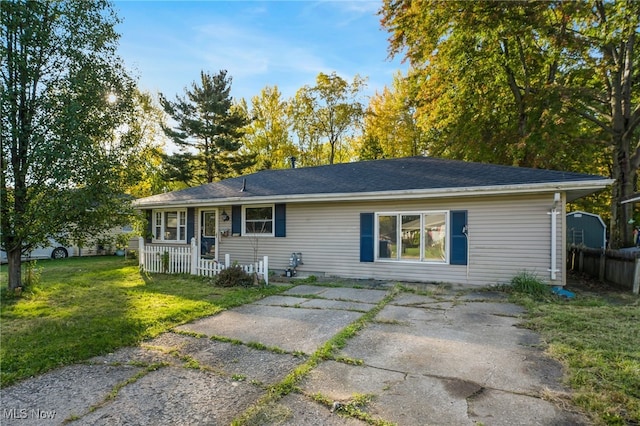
x,y
435,232
258,220
170,225
415,236
388,237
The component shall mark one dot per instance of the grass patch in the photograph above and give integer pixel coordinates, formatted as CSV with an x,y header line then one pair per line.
x,y
599,343
84,307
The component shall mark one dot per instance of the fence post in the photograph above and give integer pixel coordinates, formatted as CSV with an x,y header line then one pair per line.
x,y
603,265
581,261
227,260
194,257
265,270
636,278
141,252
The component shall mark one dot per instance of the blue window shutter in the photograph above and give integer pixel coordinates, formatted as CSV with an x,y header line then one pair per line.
x,y
191,223
148,214
281,220
458,238
236,219
366,237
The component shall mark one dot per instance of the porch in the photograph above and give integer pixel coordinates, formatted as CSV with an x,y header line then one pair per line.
x,y
186,259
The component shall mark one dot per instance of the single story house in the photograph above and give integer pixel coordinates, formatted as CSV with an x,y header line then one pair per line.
x,y
415,219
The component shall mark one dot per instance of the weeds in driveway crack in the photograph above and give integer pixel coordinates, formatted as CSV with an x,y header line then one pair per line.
x,y
327,351
117,388
353,407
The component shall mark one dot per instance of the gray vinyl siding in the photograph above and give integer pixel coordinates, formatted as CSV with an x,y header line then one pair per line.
x,y
507,235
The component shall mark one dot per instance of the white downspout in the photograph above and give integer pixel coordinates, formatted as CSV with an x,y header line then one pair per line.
x,y
554,234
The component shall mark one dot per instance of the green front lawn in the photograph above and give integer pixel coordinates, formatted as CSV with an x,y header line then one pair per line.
x,y
83,307
597,338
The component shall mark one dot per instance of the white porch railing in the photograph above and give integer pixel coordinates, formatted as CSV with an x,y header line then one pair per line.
x,y
186,260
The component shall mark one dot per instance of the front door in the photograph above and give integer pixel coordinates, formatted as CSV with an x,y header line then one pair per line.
x,y
208,229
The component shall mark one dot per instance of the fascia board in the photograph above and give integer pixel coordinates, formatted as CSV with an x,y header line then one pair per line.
x,y
411,194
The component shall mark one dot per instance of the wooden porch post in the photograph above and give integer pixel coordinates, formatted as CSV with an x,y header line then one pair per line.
x,y
194,257
141,252
265,271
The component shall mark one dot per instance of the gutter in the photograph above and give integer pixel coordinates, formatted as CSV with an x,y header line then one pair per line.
x,y
409,194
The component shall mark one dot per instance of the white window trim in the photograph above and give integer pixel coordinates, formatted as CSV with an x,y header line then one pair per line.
x,y
447,248
273,220
182,239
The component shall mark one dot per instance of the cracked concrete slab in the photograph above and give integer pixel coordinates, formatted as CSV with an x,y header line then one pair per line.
x,y
490,356
480,296
422,400
304,411
339,293
176,396
346,305
354,294
420,301
231,360
315,303
291,329
339,382
494,407
281,301
306,289
61,394
137,355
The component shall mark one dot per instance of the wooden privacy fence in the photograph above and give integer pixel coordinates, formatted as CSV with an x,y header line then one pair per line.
x,y
169,259
614,266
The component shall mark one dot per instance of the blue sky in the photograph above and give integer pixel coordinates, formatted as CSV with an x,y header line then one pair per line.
x,y
260,43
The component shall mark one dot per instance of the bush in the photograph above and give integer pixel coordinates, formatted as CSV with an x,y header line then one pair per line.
x,y
234,276
31,276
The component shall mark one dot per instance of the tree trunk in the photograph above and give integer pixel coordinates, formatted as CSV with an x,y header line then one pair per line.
x,y
14,257
623,121
625,174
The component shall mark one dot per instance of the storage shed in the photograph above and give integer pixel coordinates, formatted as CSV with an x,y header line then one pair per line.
x,y
586,229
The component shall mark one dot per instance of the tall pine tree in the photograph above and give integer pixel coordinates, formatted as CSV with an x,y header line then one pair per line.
x,y
208,131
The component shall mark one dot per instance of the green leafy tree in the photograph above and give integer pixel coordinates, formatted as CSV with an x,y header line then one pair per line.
x,y
538,84
65,107
308,138
389,122
604,90
209,130
267,136
330,110
147,164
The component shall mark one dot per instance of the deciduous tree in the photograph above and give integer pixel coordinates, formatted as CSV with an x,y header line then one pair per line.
x,y
267,135
538,84
65,106
389,122
331,109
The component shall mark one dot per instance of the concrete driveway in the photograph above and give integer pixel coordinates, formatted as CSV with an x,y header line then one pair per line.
x,y
441,358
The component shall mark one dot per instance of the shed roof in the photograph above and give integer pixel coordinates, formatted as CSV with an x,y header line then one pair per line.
x,y
397,178
633,198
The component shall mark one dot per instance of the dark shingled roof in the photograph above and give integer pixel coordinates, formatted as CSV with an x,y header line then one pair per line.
x,y
399,174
